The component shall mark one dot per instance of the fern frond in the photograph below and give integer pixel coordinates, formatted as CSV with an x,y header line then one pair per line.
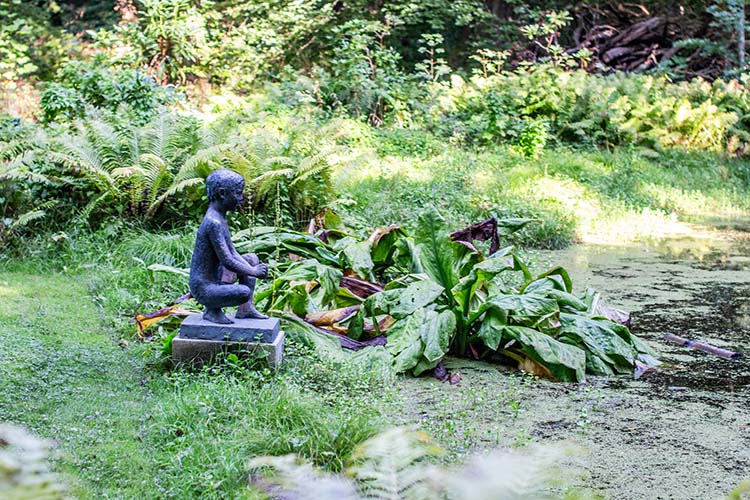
x,y
91,206
153,165
295,479
14,149
17,169
278,160
390,466
162,177
124,172
309,167
105,141
208,157
159,131
84,158
175,188
26,218
267,181
264,141
504,474
273,174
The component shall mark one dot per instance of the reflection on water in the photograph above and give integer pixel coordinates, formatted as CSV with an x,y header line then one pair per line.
x,y
705,253
714,243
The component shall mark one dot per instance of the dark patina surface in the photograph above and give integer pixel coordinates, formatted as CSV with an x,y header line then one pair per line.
x,y
215,257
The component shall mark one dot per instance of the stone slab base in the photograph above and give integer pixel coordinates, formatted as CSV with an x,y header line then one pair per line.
x,y
198,352
242,330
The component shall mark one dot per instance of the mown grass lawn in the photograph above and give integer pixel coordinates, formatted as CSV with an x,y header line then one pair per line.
x,y
128,430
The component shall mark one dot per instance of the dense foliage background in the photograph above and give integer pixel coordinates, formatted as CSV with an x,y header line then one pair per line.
x,y
114,107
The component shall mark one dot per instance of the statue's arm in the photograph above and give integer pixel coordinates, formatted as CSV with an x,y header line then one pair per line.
x,y
226,253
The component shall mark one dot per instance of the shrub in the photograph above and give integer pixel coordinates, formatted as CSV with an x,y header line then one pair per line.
x,y
593,109
80,84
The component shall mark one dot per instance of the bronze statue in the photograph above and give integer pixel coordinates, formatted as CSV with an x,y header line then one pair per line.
x,y
216,262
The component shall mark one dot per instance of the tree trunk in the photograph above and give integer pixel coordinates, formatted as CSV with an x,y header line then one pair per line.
x,y
741,34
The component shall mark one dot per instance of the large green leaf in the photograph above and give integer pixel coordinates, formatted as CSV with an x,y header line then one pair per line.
x,y
599,338
266,241
345,298
357,254
525,309
400,302
465,289
436,251
405,332
595,365
423,365
562,274
332,220
384,245
312,270
298,299
406,257
511,225
544,284
564,361
624,333
437,332
409,357
565,299
405,341
325,345
491,329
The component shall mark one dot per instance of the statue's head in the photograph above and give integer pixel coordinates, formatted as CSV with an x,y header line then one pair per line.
x,y
225,186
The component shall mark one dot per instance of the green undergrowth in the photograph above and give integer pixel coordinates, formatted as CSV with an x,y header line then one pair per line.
x,y
593,195
127,430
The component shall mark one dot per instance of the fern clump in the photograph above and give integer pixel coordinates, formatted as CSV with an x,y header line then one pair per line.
x,y
398,464
24,469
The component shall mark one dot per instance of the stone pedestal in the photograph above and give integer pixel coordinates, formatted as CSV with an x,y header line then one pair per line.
x,y
200,341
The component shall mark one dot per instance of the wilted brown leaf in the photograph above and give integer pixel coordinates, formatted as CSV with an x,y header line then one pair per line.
x,y
380,232
531,366
383,325
329,318
144,321
360,288
482,231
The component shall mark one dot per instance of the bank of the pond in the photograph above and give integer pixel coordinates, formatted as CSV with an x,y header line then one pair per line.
x,y
681,432
593,196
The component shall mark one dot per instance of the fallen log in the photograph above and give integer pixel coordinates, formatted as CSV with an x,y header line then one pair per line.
x,y
616,53
642,32
700,346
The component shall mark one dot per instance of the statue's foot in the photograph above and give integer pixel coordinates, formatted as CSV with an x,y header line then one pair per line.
x,y
217,316
248,311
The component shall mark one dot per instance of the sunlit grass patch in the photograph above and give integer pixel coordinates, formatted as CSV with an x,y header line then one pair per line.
x,y
586,195
6,291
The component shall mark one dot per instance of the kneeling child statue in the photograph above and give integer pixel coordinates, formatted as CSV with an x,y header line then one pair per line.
x,y
215,258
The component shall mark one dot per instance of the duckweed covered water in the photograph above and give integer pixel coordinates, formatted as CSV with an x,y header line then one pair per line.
x,y
682,432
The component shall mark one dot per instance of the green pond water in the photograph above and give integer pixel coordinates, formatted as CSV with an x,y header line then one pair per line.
x,y
681,432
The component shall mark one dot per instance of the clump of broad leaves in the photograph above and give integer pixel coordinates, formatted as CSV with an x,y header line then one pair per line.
x,y
433,293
